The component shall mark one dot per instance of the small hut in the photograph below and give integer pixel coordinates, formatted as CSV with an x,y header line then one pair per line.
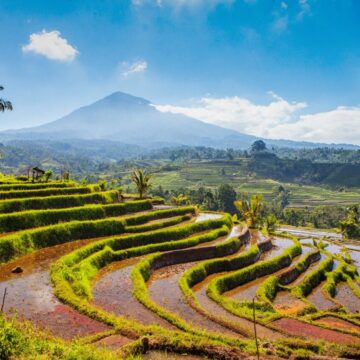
x,y
37,173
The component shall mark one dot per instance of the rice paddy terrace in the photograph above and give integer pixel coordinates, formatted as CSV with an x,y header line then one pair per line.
x,y
136,276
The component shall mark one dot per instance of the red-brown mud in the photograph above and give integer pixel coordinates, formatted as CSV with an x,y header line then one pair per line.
x,y
304,330
30,294
113,292
286,303
337,323
215,309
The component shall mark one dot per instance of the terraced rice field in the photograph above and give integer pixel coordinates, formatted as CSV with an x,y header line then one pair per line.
x,y
133,276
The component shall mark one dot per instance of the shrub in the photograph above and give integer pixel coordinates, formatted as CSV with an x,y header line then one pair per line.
x,y
34,186
28,240
12,194
55,202
37,218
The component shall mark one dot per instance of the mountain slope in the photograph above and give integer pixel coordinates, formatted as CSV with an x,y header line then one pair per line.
x,y
128,119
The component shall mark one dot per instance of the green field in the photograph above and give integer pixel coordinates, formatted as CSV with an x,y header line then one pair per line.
x,y
211,174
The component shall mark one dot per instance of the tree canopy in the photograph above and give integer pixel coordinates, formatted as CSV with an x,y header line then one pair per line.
x,y
4,104
258,146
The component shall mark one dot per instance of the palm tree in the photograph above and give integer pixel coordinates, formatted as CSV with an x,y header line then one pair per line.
x,y
250,209
141,181
4,104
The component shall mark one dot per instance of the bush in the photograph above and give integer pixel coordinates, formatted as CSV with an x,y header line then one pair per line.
x,y
12,194
56,202
28,240
34,186
230,281
37,218
313,278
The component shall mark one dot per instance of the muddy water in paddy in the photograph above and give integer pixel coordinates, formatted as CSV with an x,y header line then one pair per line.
x,y
164,290
248,290
318,298
215,309
310,233
112,292
308,331
207,216
346,297
312,267
30,294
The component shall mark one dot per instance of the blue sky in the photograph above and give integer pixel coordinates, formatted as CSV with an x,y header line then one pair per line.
x,y
288,69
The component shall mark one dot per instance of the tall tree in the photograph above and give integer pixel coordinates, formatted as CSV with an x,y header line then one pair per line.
x,y
141,181
225,197
258,146
4,104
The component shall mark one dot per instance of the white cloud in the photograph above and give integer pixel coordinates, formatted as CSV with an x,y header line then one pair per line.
x,y
277,119
51,45
305,9
139,66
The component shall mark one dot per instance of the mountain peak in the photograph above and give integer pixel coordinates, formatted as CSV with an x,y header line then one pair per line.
x,y
121,98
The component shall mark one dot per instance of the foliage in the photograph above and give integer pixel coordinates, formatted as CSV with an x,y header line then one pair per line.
x,y
12,194
232,280
180,200
5,104
21,341
250,209
225,196
350,226
258,146
48,174
271,223
36,218
142,182
58,201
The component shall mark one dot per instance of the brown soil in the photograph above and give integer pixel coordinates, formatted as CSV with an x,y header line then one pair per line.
x,y
113,341
338,323
318,298
287,303
304,330
165,291
113,292
30,294
221,314
347,298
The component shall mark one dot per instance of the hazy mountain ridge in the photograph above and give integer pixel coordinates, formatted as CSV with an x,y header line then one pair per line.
x,y
132,120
